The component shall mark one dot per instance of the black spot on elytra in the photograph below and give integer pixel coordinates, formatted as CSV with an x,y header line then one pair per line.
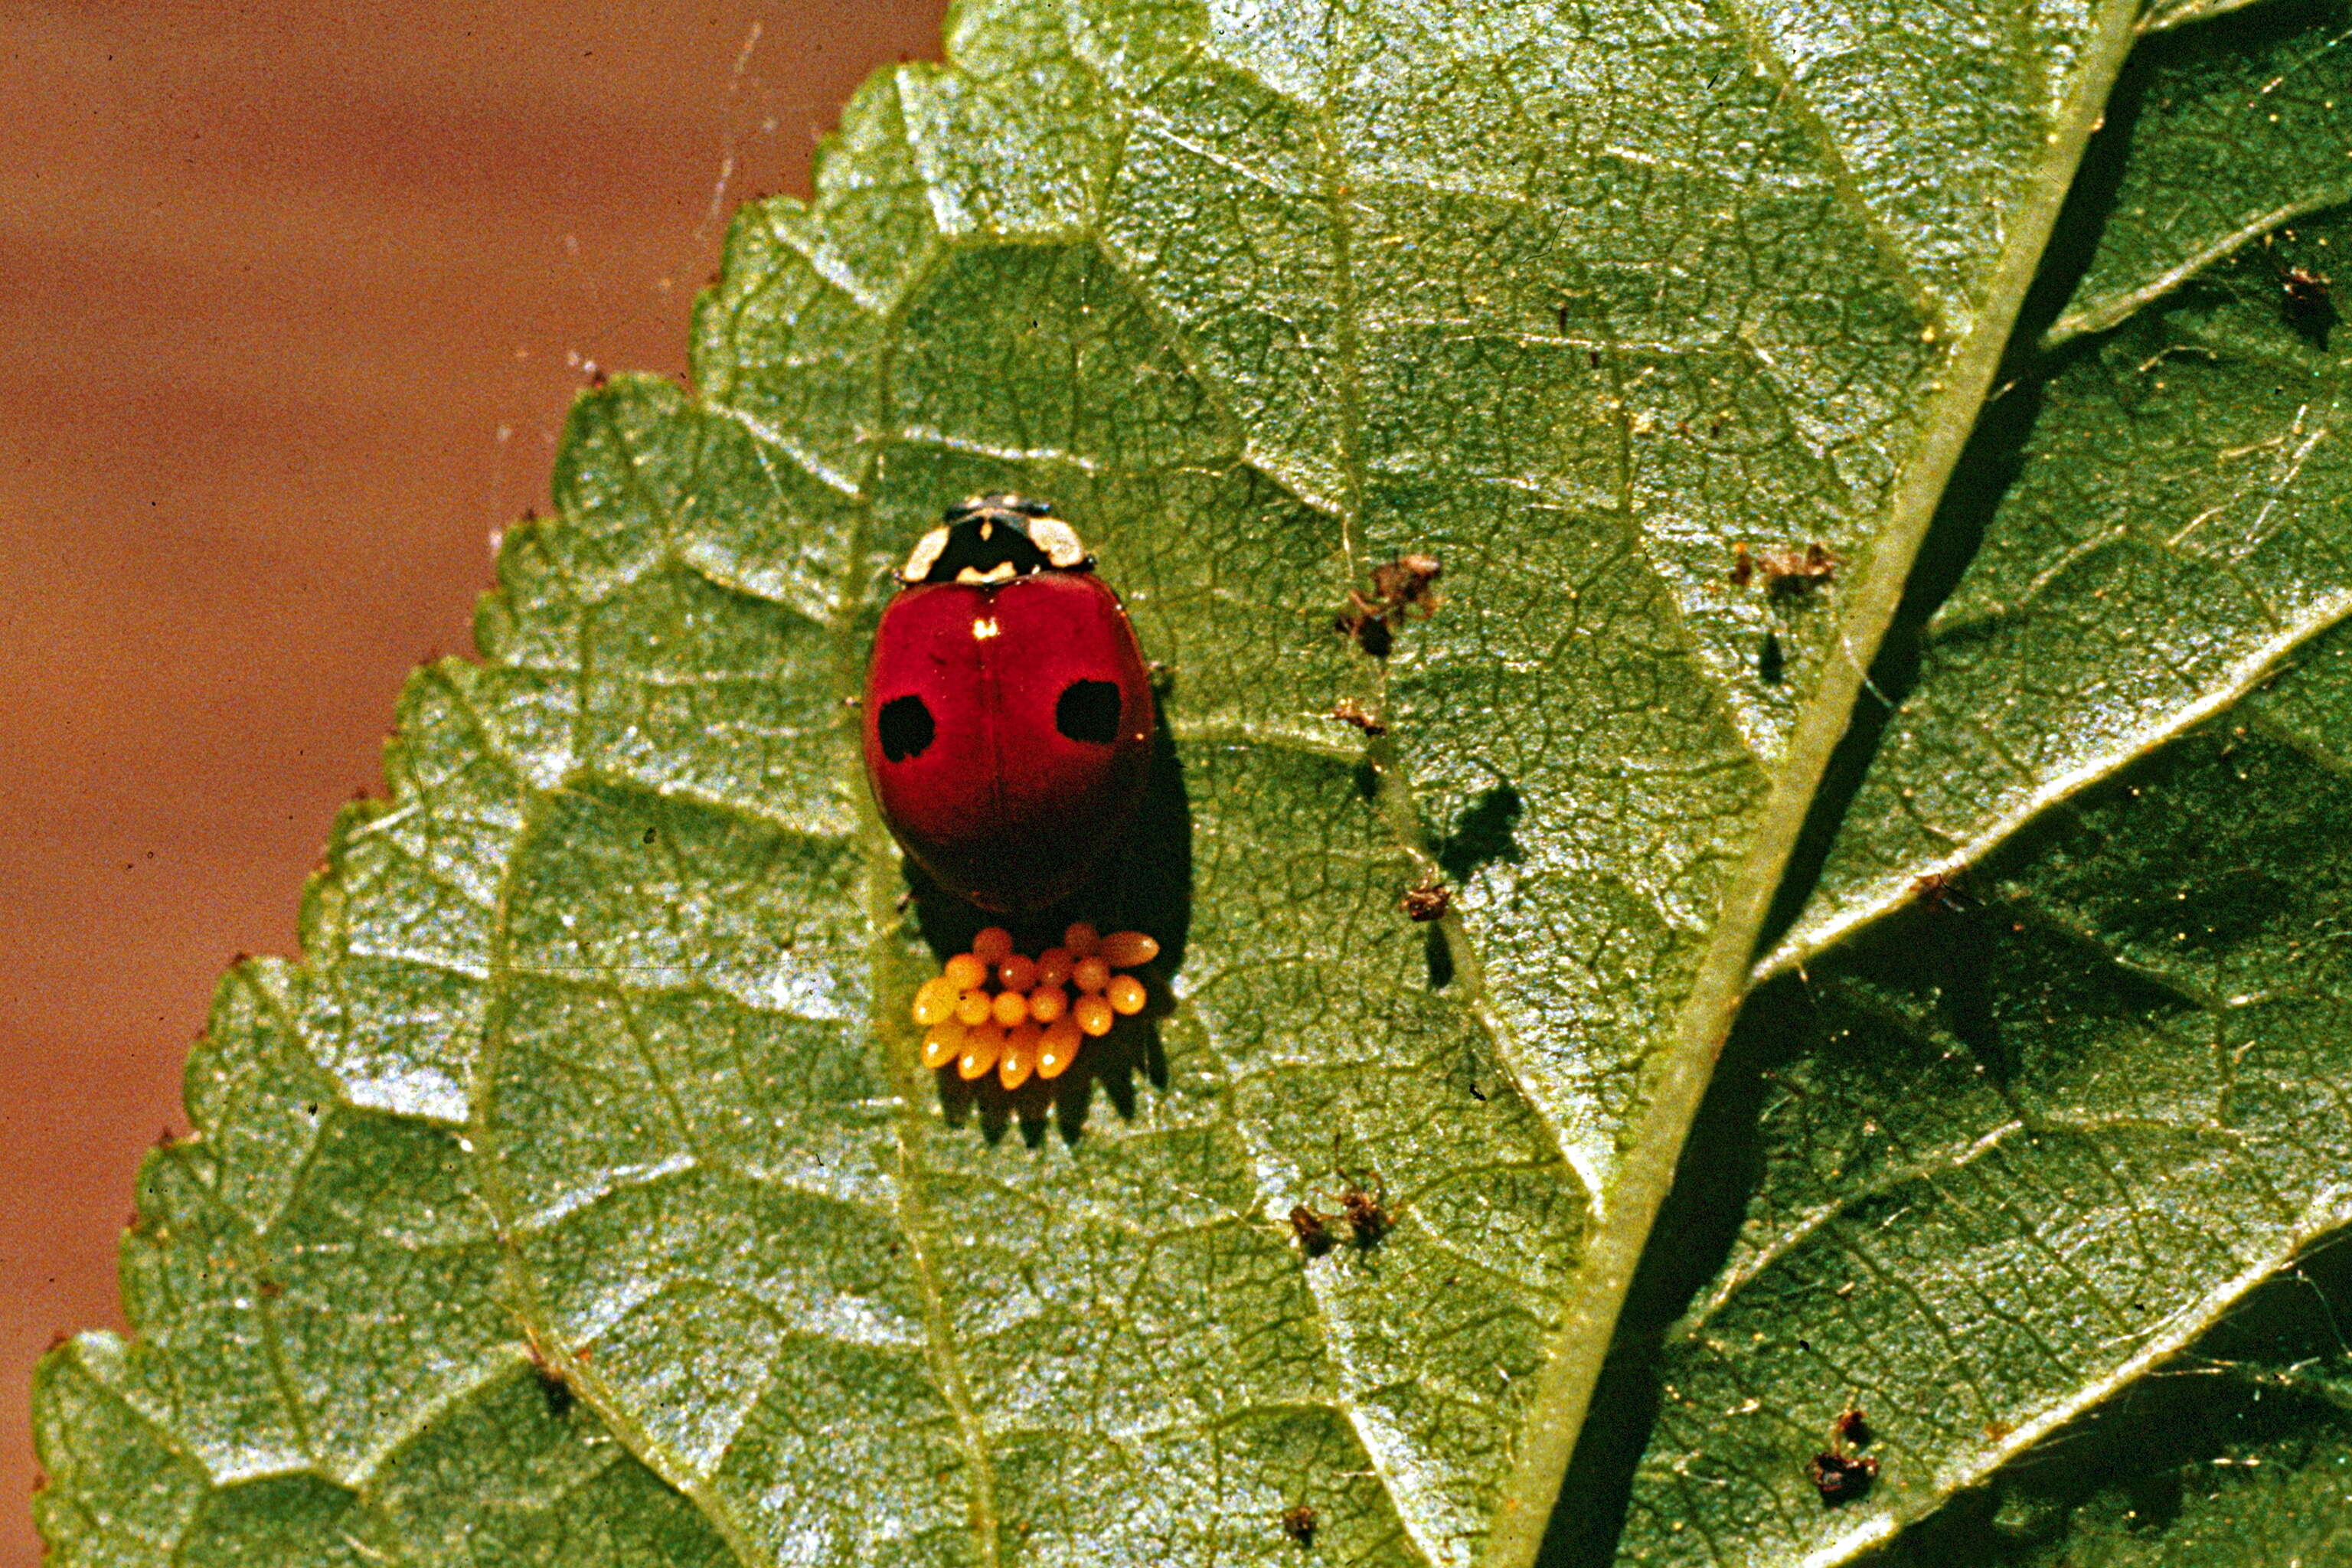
x,y
1088,711
904,727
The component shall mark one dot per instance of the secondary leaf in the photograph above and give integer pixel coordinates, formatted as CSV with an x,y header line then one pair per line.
x,y
2242,1453
2222,135
2014,1153
2176,521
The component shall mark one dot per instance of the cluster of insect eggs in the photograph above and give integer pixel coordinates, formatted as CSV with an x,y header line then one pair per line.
x,y
1029,1022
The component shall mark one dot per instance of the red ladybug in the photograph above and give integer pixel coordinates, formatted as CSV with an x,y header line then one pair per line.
x,y
1008,716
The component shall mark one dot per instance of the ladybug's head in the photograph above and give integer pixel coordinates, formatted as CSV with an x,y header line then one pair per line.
x,y
994,539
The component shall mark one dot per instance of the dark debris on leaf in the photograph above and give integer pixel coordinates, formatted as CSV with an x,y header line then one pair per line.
x,y
1841,1478
1313,1233
1854,1427
1788,574
1369,1219
1405,584
1427,899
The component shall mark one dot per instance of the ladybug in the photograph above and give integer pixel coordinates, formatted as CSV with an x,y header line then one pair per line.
x,y
1008,714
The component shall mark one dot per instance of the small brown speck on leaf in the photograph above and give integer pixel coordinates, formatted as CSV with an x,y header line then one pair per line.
x,y
1842,1477
1426,900
1404,583
1366,1210
1839,1476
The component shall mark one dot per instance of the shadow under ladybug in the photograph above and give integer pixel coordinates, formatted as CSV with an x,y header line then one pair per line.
x,y
1110,1063
1144,885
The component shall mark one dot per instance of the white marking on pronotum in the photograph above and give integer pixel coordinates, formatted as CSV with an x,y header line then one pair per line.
x,y
1058,539
924,555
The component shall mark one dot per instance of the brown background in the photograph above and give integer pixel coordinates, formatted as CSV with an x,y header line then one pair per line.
x,y
292,299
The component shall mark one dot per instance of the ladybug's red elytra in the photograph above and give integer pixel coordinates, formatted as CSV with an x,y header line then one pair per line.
x,y
1008,712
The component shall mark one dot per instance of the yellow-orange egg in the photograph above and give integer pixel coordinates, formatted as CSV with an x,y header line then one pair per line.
x,y
965,970
1125,995
982,1046
992,944
1093,1014
936,999
1058,1048
1020,1056
942,1043
1125,949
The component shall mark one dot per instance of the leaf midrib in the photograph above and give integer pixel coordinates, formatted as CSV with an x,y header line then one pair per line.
x,y
1558,1411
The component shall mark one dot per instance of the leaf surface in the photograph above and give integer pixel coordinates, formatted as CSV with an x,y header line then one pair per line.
x,y
2222,135
579,1193
2175,521
2238,1454
2017,1154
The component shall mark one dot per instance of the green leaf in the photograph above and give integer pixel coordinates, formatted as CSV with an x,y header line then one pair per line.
x,y
2177,521
322,1372
2026,1140
580,1196
2242,1453
2016,1154
2224,134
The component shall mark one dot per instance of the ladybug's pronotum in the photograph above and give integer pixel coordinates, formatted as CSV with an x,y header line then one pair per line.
x,y
995,1009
